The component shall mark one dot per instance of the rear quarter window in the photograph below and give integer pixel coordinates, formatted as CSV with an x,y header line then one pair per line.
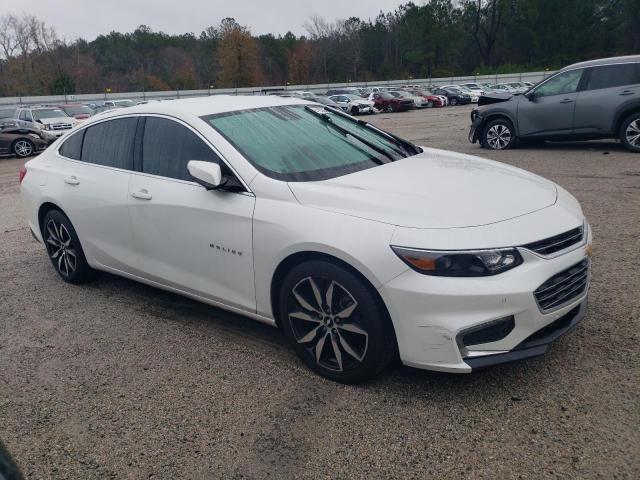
x,y
608,76
72,146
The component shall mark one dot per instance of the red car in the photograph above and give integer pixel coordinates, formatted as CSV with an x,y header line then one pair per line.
x,y
76,110
386,102
434,99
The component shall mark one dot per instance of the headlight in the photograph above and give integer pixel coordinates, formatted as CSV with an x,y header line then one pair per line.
x,y
47,127
460,263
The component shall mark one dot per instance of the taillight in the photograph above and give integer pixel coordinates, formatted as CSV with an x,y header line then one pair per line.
x,y
23,172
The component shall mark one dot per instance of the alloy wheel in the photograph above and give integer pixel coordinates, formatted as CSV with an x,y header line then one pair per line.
x,y
60,247
633,133
23,148
324,318
498,136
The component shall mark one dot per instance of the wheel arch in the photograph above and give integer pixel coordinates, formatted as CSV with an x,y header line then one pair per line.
x,y
45,208
299,257
623,114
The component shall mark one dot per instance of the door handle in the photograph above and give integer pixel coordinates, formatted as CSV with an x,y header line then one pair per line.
x,y
566,100
141,194
626,92
72,180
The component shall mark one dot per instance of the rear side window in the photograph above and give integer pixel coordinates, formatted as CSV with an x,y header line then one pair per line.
x,y
168,146
110,143
72,147
609,76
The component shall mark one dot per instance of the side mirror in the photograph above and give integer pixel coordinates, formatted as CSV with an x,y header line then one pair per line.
x,y
531,95
207,174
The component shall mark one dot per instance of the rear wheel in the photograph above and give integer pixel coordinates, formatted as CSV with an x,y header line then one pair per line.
x,y
498,135
630,132
335,323
23,148
453,102
64,249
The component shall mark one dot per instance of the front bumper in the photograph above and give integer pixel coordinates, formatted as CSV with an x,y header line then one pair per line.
x,y
430,314
476,122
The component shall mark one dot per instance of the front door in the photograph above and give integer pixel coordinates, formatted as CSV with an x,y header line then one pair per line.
x,y
187,237
550,112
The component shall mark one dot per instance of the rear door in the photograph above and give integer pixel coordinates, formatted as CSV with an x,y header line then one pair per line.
x,y
95,188
187,237
551,111
608,89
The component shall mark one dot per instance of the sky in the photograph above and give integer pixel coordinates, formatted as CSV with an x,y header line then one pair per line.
x,y
89,18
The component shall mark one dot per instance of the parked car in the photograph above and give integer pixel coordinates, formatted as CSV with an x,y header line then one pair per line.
x,y
589,100
319,223
76,110
385,102
11,124
505,88
454,95
323,99
119,103
53,120
354,104
343,91
417,100
432,100
473,96
474,87
21,143
519,86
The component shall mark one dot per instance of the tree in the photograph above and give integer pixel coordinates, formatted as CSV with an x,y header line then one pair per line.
x,y
237,56
62,84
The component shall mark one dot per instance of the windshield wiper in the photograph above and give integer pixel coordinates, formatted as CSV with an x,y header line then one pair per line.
x,y
325,118
409,147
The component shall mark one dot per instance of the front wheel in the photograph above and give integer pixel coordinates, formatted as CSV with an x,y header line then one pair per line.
x,y
335,324
453,102
498,135
64,249
355,111
630,133
23,148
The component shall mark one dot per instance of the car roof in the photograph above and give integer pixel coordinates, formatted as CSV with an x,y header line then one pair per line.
x,y
604,61
214,104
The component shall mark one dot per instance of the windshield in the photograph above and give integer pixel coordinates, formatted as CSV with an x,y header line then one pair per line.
x,y
52,113
7,112
77,110
297,143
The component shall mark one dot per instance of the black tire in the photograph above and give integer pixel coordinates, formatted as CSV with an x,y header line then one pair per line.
x,y
498,134
362,334
630,132
388,108
355,111
453,102
63,245
23,148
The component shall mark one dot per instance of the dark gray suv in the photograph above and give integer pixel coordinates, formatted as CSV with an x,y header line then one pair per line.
x,y
585,101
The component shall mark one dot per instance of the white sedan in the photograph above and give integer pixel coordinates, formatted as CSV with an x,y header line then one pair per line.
x,y
360,246
354,104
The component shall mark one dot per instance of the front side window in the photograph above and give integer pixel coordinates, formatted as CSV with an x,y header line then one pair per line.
x,y
110,143
293,143
563,83
608,76
168,146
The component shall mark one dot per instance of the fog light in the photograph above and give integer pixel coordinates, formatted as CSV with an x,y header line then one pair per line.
x,y
487,332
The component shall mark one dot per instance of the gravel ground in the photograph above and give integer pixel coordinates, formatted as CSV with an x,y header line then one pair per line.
x,y
120,380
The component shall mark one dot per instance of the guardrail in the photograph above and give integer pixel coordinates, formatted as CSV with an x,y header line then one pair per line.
x,y
532,77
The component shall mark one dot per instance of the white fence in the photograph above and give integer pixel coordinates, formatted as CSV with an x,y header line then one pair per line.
x,y
532,77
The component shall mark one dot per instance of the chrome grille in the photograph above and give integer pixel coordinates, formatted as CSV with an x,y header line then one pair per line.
x,y
61,126
563,287
554,244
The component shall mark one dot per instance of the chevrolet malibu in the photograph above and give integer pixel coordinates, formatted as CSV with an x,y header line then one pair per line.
x,y
359,245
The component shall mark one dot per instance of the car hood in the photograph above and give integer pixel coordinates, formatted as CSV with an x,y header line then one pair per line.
x,y
436,189
53,121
